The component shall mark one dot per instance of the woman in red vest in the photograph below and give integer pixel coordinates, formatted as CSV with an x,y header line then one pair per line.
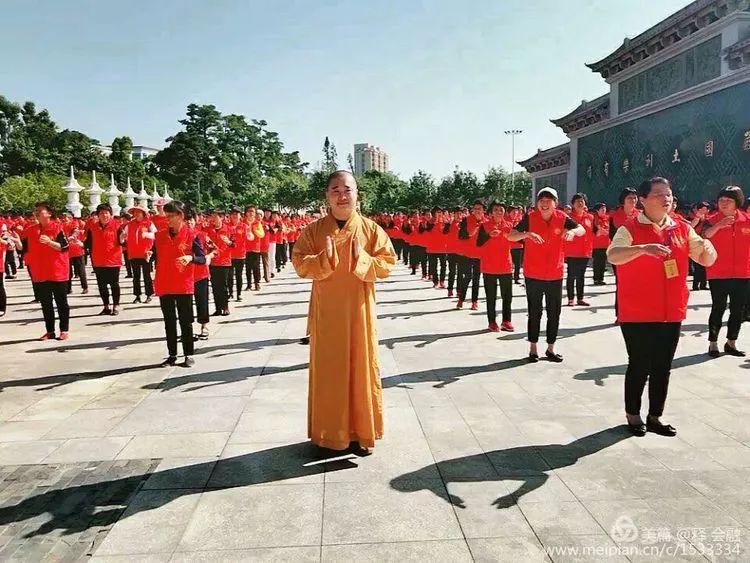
x,y
105,241
46,251
625,211
75,234
221,263
515,214
254,235
435,247
179,251
544,228
139,234
578,250
601,242
729,277
469,265
200,279
238,235
450,233
496,266
651,252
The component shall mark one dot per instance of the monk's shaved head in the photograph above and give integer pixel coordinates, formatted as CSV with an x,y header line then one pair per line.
x,y
341,177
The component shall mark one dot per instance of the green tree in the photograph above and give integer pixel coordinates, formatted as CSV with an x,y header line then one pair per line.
x,y
422,192
330,156
22,192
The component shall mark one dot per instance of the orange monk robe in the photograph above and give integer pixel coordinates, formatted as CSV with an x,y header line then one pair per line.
x,y
345,401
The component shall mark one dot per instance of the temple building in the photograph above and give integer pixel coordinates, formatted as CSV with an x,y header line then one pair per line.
x,y
678,106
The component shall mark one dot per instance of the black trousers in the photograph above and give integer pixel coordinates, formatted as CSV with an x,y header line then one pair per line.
x,y
505,281
200,289
3,296
238,264
516,255
407,252
735,290
468,273
599,260
548,292
432,262
398,247
699,276
108,278
78,268
220,276
128,265
10,263
57,291
252,268
174,307
452,270
141,268
576,276
417,258
651,348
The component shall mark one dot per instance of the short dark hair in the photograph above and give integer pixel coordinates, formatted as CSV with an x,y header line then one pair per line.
x,y
479,202
600,205
625,193
249,207
175,206
103,207
495,204
644,189
703,204
733,192
578,196
44,205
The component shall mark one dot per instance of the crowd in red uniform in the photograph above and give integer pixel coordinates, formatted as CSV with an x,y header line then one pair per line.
x,y
223,248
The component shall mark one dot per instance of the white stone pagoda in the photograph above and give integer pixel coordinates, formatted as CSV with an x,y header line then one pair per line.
x,y
130,195
73,190
166,196
155,197
95,192
113,194
143,197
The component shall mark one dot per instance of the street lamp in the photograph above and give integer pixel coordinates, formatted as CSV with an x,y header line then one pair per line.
x,y
513,133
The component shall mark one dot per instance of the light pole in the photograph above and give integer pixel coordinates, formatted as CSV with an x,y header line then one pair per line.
x,y
513,133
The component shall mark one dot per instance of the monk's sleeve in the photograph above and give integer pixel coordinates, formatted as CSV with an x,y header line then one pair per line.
x,y
379,263
310,263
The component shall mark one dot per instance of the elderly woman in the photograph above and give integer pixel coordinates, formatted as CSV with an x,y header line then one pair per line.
x,y
651,252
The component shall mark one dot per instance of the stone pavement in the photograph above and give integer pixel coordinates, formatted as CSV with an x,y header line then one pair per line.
x,y
103,453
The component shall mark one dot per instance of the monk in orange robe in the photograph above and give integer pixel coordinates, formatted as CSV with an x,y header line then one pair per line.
x,y
344,253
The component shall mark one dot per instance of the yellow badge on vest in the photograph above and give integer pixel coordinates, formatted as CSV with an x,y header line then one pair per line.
x,y
670,269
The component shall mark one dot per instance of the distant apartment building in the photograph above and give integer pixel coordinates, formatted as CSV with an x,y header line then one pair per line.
x,y
369,157
139,151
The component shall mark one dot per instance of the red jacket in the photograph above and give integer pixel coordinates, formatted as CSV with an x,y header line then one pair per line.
x,y
106,251
170,278
200,271
76,237
265,242
581,247
545,261
47,264
223,255
137,245
601,238
732,248
644,293
468,247
238,235
434,238
495,253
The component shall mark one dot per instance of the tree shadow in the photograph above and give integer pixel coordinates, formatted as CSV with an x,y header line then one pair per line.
x,y
562,333
530,464
106,345
220,377
54,381
266,319
600,374
121,321
100,501
448,375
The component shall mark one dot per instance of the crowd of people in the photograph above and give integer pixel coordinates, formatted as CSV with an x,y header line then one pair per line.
x,y
651,247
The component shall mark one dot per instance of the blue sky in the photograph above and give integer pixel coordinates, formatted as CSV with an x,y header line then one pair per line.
x,y
433,82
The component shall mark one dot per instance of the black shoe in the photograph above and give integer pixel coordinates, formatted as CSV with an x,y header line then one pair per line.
x,y
305,341
105,311
660,429
732,351
170,361
128,277
216,314
149,299
189,362
714,352
137,299
553,357
115,312
637,429
533,358
239,299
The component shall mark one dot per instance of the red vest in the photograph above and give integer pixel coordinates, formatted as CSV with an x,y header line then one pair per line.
x,y
581,247
601,238
732,248
545,261
434,239
237,234
265,242
495,253
468,247
75,235
136,244
644,293
619,218
253,245
105,245
223,255
171,278
47,264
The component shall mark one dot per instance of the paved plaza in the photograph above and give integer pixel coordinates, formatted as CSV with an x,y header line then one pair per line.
x,y
485,458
